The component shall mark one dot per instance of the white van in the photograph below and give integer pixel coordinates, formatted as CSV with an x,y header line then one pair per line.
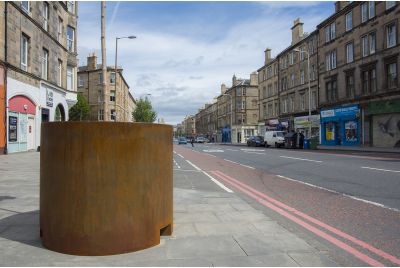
x,y
276,138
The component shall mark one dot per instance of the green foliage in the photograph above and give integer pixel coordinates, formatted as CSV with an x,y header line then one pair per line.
x,y
80,111
144,111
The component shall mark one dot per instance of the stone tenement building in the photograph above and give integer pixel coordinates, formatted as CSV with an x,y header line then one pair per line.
x,y
293,77
268,81
206,121
237,110
189,126
114,104
359,61
38,66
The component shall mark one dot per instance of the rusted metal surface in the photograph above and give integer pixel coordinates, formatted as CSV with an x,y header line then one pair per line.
x,y
105,187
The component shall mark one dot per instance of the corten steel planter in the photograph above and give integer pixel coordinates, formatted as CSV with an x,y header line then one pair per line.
x,y
105,187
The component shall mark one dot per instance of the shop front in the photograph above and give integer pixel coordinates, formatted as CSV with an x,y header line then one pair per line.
x,y
340,126
385,123
302,125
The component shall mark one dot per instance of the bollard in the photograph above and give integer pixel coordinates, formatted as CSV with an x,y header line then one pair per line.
x,y
105,187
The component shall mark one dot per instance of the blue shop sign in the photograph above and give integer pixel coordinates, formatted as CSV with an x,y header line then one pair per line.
x,y
336,113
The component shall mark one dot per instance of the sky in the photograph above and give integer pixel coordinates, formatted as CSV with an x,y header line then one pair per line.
x,y
184,51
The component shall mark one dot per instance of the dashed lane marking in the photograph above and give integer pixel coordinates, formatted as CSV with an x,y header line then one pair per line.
x,y
302,159
380,169
335,192
180,156
231,161
246,166
176,163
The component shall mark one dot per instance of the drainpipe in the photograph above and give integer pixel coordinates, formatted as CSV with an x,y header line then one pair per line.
x,y
5,74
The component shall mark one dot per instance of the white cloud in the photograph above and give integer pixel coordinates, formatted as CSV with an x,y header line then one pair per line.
x,y
183,73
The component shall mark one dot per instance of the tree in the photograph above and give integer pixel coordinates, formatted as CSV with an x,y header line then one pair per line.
x,y
80,111
144,111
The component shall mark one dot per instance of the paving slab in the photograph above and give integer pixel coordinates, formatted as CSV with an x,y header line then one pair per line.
x,y
268,260
312,259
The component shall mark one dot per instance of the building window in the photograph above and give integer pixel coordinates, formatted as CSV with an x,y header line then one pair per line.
x,y
45,63
59,73
314,100
292,80
112,78
313,72
291,58
291,101
265,110
284,106
24,52
113,115
331,91
368,43
390,4
112,95
391,35
391,70
45,16
243,105
349,21
330,59
80,81
25,6
70,38
349,53
70,78
71,6
350,85
244,91
270,110
302,77
367,11
100,96
330,32
101,115
368,81
264,92
302,101
59,29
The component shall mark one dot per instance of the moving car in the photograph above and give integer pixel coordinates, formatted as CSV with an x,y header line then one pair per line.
x,y
276,138
182,140
255,141
201,140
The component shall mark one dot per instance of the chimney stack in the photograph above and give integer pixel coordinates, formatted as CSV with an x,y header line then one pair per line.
x,y
267,55
223,89
234,80
92,62
297,31
253,79
339,5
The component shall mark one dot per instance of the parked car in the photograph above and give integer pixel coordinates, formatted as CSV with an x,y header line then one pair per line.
x,y
182,140
175,141
255,141
201,140
276,138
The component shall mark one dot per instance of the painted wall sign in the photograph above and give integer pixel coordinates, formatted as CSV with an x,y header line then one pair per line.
x,y
49,98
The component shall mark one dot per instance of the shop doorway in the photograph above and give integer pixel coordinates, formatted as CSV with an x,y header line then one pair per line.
x,y
59,114
31,133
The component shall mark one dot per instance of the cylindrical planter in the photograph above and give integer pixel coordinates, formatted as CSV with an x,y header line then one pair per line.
x,y
105,187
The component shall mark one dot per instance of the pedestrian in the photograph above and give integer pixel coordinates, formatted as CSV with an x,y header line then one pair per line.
x,y
192,141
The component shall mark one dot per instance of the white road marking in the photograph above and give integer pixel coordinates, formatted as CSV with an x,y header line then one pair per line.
x,y
193,165
214,180
303,159
253,153
210,154
218,183
176,163
174,152
180,156
386,170
246,166
213,151
233,150
335,192
252,150
231,161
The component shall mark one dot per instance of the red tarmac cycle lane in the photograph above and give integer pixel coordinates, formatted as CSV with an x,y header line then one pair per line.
x,y
369,233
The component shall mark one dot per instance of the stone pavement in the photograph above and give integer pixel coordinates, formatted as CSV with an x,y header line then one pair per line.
x,y
211,228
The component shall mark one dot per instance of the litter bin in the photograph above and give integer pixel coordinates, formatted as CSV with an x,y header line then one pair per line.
x,y
306,144
313,143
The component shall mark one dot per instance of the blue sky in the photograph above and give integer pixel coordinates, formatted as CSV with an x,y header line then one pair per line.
x,y
184,51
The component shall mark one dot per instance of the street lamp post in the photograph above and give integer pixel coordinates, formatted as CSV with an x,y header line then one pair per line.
x,y
115,72
231,113
309,89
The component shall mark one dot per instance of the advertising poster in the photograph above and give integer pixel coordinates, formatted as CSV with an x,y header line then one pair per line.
x,y
12,128
351,131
